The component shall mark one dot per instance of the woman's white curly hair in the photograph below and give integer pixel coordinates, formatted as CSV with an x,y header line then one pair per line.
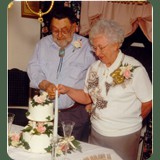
x,y
110,29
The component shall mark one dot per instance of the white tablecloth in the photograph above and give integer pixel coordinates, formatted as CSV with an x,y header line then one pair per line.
x,y
87,150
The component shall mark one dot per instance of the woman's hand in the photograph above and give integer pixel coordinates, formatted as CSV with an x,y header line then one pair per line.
x,y
62,89
88,108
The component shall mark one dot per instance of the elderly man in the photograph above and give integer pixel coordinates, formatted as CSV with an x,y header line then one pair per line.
x,y
63,57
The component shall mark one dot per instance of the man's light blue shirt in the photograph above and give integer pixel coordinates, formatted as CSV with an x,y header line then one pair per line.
x,y
45,60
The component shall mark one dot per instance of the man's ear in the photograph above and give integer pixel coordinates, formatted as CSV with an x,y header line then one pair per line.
x,y
74,26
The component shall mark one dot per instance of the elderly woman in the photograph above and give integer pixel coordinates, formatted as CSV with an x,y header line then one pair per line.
x,y
119,89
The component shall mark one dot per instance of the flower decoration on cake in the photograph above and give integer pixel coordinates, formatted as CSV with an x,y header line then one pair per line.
x,y
123,73
38,128
42,99
77,44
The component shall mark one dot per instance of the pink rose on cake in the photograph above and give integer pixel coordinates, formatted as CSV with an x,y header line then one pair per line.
x,y
39,99
42,99
41,128
38,128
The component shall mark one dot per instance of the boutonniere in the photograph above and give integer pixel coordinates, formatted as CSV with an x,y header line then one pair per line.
x,y
77,44
123,73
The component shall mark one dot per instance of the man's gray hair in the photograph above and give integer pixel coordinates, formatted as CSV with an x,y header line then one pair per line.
x,y
110,29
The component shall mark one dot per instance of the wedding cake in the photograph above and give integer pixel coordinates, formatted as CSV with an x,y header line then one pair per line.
x,y
37,135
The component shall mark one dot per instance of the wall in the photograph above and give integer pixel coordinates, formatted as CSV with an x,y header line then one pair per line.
x,y
23,33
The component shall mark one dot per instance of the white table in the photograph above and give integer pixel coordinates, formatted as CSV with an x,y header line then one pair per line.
x,y
87,150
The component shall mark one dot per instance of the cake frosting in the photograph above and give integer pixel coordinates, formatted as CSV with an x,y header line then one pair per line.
x,y
37,136
40,108
40,112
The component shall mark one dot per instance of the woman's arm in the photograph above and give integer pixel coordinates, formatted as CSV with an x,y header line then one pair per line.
x,y
146,109
77,95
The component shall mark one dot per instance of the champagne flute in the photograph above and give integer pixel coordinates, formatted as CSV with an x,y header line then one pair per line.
x,y
67,126
10,121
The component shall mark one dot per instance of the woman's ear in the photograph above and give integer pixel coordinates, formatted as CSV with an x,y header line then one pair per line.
x,y
116,46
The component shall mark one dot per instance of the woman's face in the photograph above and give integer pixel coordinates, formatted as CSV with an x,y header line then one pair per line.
x,y
62,31
104,50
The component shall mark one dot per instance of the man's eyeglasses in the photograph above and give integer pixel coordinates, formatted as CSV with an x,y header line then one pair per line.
x,y
94,49
63,31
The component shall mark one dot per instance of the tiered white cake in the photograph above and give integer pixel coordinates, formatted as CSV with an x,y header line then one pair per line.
x,y
40,112
38,133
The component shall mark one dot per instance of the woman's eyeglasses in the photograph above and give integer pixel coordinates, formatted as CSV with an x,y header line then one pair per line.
x,y
94,49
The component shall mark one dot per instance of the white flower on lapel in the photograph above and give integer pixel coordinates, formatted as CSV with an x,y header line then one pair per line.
x,y
77,44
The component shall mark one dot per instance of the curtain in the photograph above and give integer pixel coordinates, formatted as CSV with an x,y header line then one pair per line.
x,y
129,15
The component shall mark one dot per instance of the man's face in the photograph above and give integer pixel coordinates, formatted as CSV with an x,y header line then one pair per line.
x,y
62,31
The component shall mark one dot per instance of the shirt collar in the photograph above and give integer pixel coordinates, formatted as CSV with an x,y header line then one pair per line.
x,y
116,63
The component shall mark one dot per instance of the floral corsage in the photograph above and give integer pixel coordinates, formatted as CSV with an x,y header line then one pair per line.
x,y
123,73
77,44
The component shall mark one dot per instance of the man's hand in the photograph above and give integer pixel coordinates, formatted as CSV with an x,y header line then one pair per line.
x,y
49,87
